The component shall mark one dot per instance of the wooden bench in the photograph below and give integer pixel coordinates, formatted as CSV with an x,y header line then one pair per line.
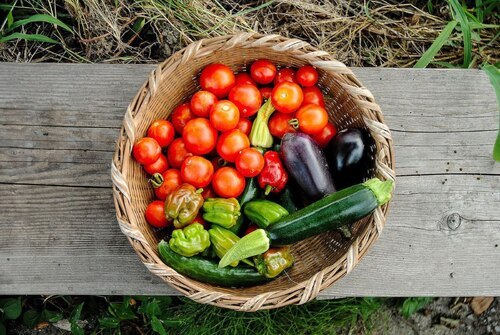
x,y
58,233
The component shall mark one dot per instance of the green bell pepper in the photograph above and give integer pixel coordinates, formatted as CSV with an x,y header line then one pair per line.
x,y
190,240
224,212
264,212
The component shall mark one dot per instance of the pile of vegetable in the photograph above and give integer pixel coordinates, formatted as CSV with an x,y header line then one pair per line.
x,y
249,165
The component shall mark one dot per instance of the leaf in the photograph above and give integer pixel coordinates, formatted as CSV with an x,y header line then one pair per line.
x,y
28,37
51,316
122,311
494,75
10,20
429,55
138,25
109,322
157,326
31,318
461,17
11,308
76,329
40,18
3,331
77,312
414,304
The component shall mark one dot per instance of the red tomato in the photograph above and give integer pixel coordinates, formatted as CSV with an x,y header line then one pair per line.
x,y
218,79
245,125
312,118
199,219
224,115
278,124
263,71
307,76
155,214
160,166
171,180
231,143
202,102
180,116
285,74
208,192
324,136
197,171
162,131
247,98
249,162
287,97
313,95
228,183
266,92
244,78
199,136
146,151
177,152
251,228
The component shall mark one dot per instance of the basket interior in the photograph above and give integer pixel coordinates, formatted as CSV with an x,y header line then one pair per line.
x,y
311,255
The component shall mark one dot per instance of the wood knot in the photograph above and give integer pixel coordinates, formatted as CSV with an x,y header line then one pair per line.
x,y
453,221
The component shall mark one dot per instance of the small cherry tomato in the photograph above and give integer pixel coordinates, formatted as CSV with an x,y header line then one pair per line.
x,y
202,102
146,151
263,71
228,182
287,97
155,214
266,92
218,79
324,136
249,162
307,76
313,95
160,166
162,131
311,118
199,136
197,171
247,98
208,192
171,180
177,153
231,143
180,116
285,74
251,228
245,125
244,78
199,219
279,124
224,115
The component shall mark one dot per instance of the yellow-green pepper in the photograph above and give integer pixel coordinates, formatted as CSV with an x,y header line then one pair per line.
x,y
190,241
221,211
183,204
274,261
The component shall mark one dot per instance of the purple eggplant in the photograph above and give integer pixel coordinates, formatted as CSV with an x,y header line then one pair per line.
x,y
307,165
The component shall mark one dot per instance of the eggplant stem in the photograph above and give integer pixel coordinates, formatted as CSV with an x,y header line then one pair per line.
x,y
156,180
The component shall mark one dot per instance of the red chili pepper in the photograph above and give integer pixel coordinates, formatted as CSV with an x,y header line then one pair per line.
x,y
273,177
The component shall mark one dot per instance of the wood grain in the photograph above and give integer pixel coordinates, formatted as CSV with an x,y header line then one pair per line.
x,y
58,124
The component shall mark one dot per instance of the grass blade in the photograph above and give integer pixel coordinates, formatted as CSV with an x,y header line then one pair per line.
x,y
40,18
28,37
460,16
429,55
494,75
479,10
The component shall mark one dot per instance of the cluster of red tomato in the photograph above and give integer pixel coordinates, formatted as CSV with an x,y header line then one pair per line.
x,y
216,123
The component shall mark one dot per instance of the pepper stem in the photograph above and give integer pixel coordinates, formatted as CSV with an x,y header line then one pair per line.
x,y
199,191
294,123
268,190
156,180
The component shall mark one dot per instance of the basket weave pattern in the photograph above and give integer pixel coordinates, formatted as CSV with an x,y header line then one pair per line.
x,y
321,260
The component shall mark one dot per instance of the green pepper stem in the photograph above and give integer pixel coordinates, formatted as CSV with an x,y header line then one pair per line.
x,y
156,180
268,190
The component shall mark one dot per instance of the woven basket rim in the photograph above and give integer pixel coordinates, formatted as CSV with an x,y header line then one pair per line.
x,y
307,289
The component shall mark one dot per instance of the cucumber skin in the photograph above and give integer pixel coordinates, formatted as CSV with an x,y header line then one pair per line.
x,y
207,271
338,209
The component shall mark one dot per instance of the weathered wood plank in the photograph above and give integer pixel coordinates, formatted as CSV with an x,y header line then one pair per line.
x,y
58,124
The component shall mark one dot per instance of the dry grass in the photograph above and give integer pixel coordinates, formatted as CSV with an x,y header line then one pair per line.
x,y
359,33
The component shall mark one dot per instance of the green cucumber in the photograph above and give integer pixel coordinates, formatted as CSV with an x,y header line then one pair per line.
x,y
252,191
335,210
208,271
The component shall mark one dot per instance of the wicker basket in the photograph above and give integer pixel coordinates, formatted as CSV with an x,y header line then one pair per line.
x,y
321,260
